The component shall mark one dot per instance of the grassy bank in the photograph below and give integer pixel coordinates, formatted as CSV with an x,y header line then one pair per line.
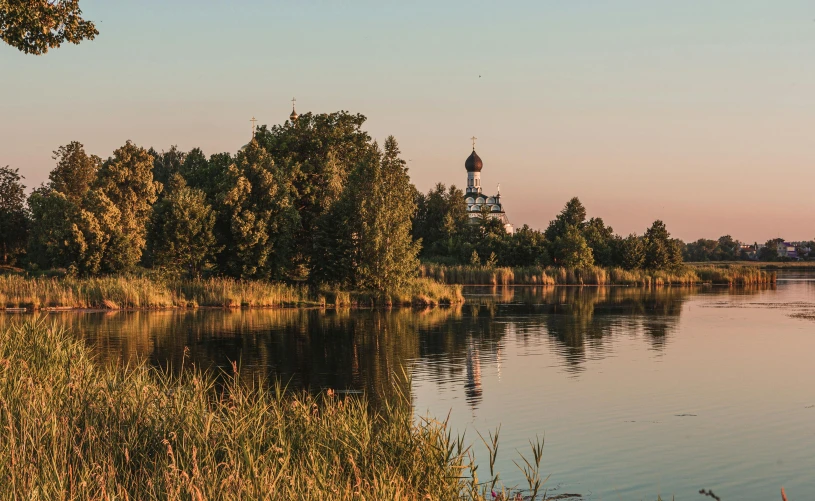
x,y
766,265
17,291
536,275
75,430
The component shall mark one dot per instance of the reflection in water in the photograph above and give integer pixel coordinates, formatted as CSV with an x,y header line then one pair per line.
x,y
370,350
611,374
472,389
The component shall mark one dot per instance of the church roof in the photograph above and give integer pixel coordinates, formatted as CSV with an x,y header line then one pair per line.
x,y
473,163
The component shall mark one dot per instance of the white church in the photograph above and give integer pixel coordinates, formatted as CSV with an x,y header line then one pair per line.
x,y
476,200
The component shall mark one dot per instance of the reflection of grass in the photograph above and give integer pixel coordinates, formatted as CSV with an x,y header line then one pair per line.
x,y
75,430
138,292
595,275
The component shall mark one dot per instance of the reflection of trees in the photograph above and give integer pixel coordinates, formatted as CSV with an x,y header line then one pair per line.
x,y
368,349
355,350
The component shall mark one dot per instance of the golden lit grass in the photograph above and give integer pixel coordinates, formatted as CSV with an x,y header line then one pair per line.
x,y
595,275
75,430
418,292
126,292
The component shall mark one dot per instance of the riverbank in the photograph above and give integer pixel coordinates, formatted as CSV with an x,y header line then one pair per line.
x,y
132,292
77,430
537,275
765,265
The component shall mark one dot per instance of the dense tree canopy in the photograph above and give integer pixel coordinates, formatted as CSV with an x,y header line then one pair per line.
x,y
126,180
13,217
181,231
34,26
314,200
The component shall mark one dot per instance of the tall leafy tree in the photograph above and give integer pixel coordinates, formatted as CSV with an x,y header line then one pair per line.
x,y
632,252
75,171
367,234
126,179
167,163
318,153
181,230
13,215
661,252
526,247
71,234
256,219
602,241
572,249
34,26
71,223
441,220
572,215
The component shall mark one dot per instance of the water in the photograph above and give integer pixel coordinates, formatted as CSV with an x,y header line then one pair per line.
x,y
639,393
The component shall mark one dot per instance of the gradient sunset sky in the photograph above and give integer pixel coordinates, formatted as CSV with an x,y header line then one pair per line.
x,y
698,113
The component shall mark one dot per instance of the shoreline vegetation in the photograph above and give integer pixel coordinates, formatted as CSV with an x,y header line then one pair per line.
x,y
133,292
685,275
438,285
76,429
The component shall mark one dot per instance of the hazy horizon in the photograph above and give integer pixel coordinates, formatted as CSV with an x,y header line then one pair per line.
x,y
692,113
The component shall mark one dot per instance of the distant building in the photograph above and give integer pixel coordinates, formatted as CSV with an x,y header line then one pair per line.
x,y
787,250
476,200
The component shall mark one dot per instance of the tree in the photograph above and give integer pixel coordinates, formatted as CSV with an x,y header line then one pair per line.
x,y
388,254
126,180
256,219
572,250
75,171
317,153
661,252
573,214
770,250
167,163
601,239
34,26
13,216
71,234
366,236
633,252
441,220
526,247
181,229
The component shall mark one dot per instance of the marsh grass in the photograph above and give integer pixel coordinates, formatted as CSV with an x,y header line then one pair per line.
x,y
73,429
134,292
595,275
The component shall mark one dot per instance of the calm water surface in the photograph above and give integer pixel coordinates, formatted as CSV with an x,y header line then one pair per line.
x,y
638,392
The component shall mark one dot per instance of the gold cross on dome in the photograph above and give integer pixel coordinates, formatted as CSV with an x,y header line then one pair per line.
x,y
293,100
253,126
473,140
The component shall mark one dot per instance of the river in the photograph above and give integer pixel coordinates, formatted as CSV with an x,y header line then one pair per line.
x,y
639,393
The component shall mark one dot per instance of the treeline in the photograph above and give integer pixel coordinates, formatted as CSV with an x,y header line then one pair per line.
x,y
728,249
570,240
314,200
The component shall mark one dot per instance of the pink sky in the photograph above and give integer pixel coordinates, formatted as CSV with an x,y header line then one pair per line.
x,y
696,114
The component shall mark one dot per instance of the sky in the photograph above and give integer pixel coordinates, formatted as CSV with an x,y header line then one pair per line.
x,y
698,113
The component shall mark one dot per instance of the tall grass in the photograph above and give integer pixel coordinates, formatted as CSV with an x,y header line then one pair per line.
x,y
126,292
595,275
139,292
419,292
75,430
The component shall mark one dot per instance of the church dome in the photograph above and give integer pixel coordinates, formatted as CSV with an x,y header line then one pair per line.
x,y
473,163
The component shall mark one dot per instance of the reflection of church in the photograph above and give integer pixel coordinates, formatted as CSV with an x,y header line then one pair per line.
x,y
476,200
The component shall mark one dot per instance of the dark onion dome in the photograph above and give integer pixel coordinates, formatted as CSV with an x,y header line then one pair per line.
x,y
473,163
